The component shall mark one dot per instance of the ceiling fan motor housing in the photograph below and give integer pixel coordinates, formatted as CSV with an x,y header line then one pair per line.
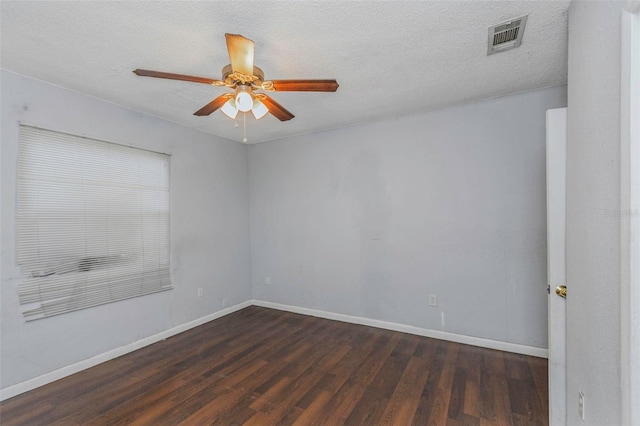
x,y
233,79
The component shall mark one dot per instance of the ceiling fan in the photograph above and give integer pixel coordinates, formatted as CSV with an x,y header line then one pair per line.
x,y
246,78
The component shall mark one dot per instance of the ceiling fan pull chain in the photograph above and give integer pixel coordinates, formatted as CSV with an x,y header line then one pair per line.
x,y
244,119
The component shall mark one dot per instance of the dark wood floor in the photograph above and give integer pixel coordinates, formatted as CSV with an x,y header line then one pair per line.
x,y
260,367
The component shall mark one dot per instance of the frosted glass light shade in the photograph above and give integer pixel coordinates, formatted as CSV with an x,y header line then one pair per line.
x,y
258,110
244,100
229,109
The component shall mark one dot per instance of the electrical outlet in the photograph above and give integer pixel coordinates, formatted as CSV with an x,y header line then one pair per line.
x,y
581,404
433,300
199,291
267,280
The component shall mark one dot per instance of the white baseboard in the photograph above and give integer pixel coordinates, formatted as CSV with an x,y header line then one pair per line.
x,y
17,389
452,337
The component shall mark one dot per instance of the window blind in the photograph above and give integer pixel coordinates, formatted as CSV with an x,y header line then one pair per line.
x,y
92,222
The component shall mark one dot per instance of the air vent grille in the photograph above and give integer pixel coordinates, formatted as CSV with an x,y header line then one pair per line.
x,y
506,35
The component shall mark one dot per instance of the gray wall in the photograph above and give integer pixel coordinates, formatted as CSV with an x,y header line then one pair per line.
x,y
593,193
365,221
209,225
370,220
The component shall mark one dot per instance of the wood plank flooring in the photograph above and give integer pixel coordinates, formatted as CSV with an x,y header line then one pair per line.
x,y
261,366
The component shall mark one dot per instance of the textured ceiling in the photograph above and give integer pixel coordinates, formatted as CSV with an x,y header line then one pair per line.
x,y
390,58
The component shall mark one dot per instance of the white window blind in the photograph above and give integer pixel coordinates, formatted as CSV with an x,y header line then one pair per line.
x,y
92,222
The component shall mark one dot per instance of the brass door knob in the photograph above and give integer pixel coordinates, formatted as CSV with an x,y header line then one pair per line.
x,y
561,291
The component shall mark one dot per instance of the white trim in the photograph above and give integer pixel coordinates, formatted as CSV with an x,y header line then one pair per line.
x,y
629,220
11,391
451,337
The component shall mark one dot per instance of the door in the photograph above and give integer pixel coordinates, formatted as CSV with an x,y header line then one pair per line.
x,y
556,218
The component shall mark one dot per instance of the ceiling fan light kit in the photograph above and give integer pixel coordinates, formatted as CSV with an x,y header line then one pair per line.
x,y
258,109
246,78
229,109
244,100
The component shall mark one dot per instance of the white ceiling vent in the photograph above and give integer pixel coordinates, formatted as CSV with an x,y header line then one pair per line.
x,y
506,35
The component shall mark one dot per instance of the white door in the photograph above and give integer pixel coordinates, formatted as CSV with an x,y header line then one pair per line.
x,y
556,200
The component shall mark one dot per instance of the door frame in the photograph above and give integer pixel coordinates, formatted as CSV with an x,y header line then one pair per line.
x,y
630,213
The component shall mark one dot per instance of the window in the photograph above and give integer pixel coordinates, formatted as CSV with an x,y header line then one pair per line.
x,y
93,222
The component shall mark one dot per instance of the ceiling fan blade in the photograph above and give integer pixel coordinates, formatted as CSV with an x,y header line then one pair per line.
x,y
240,53
171,76
305,85
277,110
213,105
